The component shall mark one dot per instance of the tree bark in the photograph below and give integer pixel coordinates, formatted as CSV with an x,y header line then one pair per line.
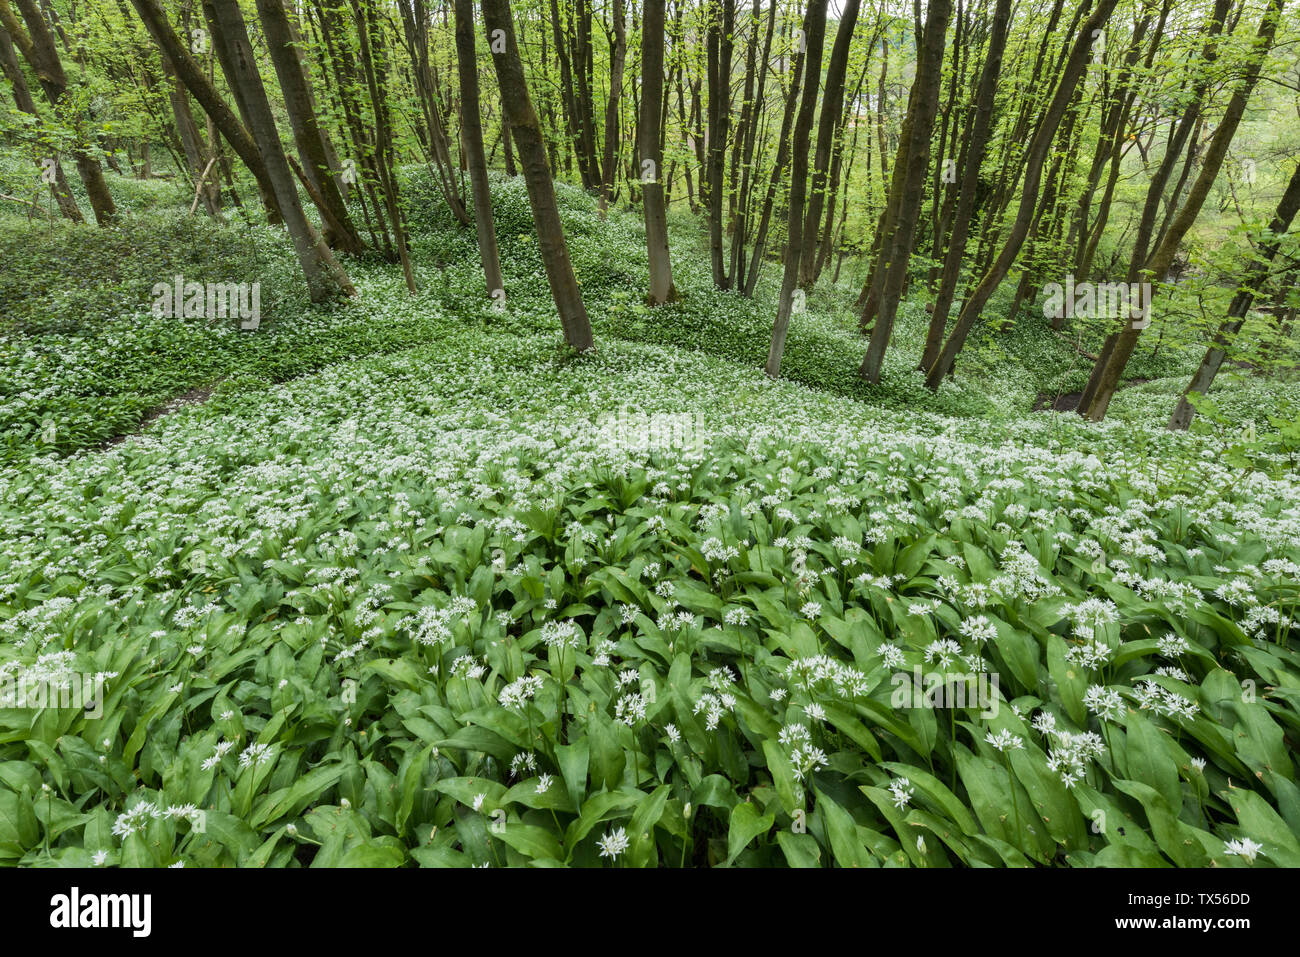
x,y
719,67
325,278
201,88
896,255
774,179
527,134
1036,155
310,138
829,122
1110,368
652,190
471,126
618,57
1254,280
814,33
23,100
38,48
981,126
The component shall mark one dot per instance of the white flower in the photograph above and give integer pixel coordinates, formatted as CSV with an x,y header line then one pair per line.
x,y
630,709
478,801
613,844
254,754
892,654
136,819
1243,848
1004,740
979,629
1104,702
1171,645
902,790
736,616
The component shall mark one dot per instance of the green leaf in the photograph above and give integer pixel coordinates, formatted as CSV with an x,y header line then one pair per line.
x,y
744,826
532,842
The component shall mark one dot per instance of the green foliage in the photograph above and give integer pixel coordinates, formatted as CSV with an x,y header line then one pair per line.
x,y
365,617
416,586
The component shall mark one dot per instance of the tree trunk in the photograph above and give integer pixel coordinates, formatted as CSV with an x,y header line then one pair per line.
x,y
324,277
832,100
23,100
374,68
719,66
201,88
1256,276
1107,374
774,180
618,56
652,191
1187,126
310,138
537,174
472,136
814,33
1036,155
198,155
38,48
896,255
981,127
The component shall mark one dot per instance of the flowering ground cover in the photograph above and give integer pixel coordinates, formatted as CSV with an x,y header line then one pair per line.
x,y
451,606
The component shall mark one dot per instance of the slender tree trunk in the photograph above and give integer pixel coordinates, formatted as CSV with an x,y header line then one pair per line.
x,y
1036,155
201,88
618,56
38,48
774,179
472,136
415,26
537,174
742,151
23,100
310,138
814,33
1110,368
981,126
568,103
652,192
325,278
896,256
1188,125
374,68
1253,282
198,155
508,147
719,63
832,100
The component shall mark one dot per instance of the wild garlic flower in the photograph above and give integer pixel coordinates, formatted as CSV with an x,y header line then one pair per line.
x,y
1244,847
1004,740
613,843
902,790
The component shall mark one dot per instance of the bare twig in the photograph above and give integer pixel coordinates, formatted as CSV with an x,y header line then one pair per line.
x,y
198,187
